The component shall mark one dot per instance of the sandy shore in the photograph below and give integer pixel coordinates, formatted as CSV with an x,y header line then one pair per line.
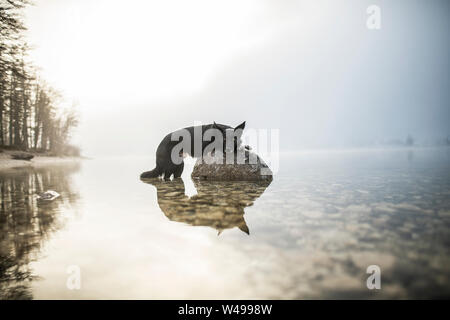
x,y
38,161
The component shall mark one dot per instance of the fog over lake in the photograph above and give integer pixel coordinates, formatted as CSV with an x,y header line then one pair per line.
x,y
309,68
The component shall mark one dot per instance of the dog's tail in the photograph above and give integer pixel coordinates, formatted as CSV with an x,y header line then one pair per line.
x,y
155,173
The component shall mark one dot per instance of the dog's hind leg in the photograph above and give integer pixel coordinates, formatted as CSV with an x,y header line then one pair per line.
x,y
178,170
167,174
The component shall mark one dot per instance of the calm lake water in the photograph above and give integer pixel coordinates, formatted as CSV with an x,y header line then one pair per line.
x,y
311,233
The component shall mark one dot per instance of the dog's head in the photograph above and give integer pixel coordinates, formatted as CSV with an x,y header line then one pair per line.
x,y
231,136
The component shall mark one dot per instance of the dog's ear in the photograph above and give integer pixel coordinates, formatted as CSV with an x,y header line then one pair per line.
x,y
216,126
241,126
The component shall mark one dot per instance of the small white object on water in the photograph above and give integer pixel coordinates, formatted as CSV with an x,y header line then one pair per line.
x,y
48,195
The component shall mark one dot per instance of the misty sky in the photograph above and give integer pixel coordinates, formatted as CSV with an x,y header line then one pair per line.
x,y
140,69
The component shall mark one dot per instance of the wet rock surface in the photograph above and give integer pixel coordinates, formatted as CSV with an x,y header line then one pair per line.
x,y
22,156
246,166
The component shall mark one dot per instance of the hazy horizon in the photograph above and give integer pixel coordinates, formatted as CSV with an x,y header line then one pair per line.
x,y
312,70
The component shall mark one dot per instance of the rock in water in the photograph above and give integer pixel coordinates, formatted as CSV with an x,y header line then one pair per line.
x,y
48,195
22,156
215,168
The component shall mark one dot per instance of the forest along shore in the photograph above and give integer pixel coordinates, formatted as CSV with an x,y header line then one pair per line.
x,y
39,160
33,115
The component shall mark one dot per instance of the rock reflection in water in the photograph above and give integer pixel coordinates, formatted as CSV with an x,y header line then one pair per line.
x,y
217,204
27,222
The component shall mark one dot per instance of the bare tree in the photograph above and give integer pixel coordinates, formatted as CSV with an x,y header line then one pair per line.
x,y
29,113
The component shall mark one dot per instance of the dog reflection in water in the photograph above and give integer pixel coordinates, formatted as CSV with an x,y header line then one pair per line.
x,y
217,204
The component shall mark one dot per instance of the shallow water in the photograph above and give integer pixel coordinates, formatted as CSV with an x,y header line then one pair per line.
x,y
311,233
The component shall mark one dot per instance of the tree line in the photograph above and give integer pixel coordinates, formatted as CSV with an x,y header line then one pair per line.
x,y
29,115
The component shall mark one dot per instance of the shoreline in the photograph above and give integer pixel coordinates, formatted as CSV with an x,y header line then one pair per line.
x,y
7,163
